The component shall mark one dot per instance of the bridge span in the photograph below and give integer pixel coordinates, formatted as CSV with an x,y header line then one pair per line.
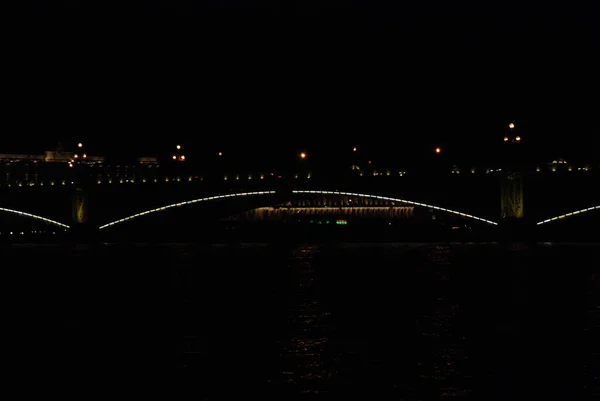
x,y
103,205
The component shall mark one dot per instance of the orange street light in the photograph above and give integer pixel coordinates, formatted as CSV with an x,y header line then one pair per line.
x,y
303,155
511,126
80,145
438,150
518,139
505,139
178,147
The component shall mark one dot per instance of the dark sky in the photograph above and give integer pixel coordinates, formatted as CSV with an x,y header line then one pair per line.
x,y
270,78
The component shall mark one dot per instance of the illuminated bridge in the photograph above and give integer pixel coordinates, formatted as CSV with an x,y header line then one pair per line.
x,y
149,202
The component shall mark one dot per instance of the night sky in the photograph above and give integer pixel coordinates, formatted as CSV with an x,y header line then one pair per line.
x,y
262,79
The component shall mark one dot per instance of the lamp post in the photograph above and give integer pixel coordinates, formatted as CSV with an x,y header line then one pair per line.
x,y
80,196
511,190
178,156
511,137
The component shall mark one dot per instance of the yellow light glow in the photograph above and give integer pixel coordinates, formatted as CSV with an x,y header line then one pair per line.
x,y
303,155
178,147
518,139
220,153
174,157
76,156
80,145
438,150
511,126
182,157
505,139
84,156
354,149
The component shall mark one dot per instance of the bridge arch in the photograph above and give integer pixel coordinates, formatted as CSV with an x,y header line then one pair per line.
x,y
408,202
33,216
316,192
163,208
567,215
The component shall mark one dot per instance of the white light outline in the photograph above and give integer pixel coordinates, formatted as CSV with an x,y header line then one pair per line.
x,y
179,204
395,200
562,216
33,216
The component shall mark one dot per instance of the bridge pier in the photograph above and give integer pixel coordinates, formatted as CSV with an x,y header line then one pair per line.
x,y
82,230
514,226
83,233
511,197
513,229
80,206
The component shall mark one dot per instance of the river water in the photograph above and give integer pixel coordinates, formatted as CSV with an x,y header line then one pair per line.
x,y
368,321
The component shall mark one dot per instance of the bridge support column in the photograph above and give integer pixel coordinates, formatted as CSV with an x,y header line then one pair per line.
x,y
513,225
81,229
80,206
511,197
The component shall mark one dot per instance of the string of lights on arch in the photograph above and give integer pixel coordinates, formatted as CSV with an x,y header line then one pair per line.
x,y
163,208
160,209
564,216
33,216
396,200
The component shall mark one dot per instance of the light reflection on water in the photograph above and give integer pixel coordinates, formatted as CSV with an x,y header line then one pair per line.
x,y
361,321
306,364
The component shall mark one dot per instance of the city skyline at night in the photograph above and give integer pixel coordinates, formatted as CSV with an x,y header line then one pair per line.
x,y
394,81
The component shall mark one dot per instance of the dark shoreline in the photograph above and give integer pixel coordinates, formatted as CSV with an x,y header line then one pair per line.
x,y
312,234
